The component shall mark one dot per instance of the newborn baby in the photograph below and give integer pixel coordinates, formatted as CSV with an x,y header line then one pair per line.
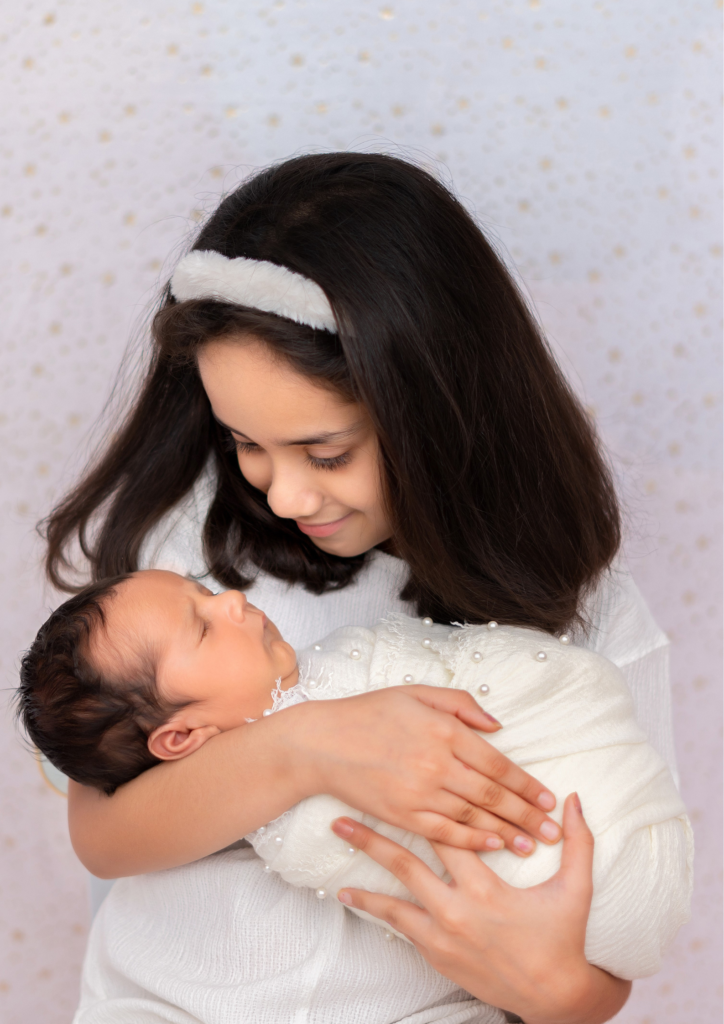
x,y
150,666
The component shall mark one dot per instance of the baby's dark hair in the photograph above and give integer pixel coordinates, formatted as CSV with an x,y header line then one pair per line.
x,y
92,728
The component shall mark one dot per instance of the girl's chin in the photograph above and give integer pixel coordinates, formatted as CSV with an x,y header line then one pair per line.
x,y
351,542
342,547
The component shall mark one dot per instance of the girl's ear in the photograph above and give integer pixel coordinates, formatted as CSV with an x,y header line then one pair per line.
x,y
174,740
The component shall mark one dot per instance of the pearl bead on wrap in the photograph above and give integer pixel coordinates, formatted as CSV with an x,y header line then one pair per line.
x,y
483,688
541,655
564,638
278,840
492,624
266,712
355,655
427,621
427,642
317,647
321,894
477,656
408,679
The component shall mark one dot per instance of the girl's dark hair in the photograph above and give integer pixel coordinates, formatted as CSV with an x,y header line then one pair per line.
x,y
93,729
499,498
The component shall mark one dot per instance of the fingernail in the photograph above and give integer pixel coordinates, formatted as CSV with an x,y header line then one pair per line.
x,y
547,801
577,803
341,828
491,719
493,843
549,830
344,897
523,844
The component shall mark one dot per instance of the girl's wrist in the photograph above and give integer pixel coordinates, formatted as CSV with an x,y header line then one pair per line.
x,y
299,761
583,995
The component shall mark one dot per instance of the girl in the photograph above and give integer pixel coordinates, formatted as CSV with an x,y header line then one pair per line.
x,y
418,451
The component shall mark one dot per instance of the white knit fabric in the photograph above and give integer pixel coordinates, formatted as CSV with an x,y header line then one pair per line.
x,y
569,719
222,942
161,943
255,283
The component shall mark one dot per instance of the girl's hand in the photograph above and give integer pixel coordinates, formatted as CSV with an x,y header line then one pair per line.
x,y
521,949
408,756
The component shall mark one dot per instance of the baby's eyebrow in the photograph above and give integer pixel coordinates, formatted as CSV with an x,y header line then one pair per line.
x,y
192,615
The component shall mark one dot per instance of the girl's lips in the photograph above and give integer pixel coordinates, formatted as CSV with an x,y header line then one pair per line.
x,y
324,529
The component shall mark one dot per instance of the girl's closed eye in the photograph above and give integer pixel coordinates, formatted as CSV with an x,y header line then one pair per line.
x,y
334,462
316,461
245,447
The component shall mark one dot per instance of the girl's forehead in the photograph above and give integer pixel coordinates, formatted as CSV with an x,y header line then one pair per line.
x,y
251,388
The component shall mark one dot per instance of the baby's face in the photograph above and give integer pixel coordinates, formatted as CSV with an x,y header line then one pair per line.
x,y
216,650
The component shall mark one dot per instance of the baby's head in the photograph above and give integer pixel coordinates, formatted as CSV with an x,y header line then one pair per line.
x,y
143,668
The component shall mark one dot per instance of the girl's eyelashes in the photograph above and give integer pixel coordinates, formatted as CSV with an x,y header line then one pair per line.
x,y
334,463
245,447
249,448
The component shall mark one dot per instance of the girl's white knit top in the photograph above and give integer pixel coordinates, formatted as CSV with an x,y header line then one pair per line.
x,y
164,946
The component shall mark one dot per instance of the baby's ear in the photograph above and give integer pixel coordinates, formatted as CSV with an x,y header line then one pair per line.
x,y
173,739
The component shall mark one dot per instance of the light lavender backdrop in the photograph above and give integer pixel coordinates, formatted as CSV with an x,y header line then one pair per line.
x,y
585,137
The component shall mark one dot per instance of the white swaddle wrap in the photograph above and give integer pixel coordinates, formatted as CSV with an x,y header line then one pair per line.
x,y
568,719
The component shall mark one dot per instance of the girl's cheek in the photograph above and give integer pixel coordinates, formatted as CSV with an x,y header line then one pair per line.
x,y
362,486
257,470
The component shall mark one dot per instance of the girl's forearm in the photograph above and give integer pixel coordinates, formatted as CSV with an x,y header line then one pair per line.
x,y
592,997
183,810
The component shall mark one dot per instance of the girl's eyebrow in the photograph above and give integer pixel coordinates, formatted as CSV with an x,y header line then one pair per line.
x,y
326,437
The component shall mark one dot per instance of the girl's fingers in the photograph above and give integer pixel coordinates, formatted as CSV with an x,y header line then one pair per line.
x,y
438,827
477,753
497,832
493,795
404,917
465,867
409,869
455,702
576,868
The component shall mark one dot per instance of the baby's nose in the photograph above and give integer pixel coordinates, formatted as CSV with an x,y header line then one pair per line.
x,y
234,602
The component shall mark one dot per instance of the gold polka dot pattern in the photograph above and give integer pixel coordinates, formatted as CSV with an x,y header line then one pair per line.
x,y
585,137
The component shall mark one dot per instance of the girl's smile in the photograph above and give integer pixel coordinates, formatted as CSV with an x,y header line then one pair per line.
x,y
323,529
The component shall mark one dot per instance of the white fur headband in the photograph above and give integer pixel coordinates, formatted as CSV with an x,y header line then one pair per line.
x,y
255,283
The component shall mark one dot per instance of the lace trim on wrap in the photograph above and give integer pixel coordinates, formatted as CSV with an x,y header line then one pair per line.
x,y
285,698
262,839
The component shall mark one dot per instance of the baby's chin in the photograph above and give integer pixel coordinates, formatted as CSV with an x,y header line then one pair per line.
x,y
286,658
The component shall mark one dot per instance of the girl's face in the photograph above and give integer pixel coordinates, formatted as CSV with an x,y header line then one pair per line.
x,y
312,453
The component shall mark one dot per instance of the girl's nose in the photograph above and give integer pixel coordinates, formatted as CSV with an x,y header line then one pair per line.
x,y
290,496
